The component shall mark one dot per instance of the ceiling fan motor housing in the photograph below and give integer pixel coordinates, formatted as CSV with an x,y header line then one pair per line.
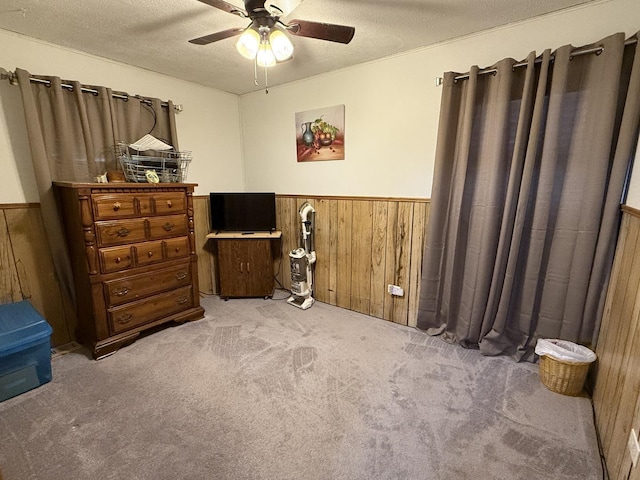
x,y
255,9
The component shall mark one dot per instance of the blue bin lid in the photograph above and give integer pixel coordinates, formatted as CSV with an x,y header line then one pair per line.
x,y
21,326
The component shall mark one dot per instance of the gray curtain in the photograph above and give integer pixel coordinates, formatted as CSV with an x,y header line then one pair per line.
x,y
530,170
72,135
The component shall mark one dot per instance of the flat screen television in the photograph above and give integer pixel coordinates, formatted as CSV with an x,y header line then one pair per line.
x,y
243,212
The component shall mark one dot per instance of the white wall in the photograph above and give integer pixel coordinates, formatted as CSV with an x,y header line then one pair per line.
x,y
392,107
209,125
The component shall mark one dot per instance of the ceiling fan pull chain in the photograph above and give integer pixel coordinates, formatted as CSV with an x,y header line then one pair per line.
x,y
266,81
255,71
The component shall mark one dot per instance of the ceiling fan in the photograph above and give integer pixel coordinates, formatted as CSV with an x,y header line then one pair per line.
x,y
264,39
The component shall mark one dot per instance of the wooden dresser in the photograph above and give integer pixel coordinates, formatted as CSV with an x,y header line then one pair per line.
x,y
132,250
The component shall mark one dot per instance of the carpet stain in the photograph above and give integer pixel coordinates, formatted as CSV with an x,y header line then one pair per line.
x,y
225,341
271,310
416,351
343,395
522,444
304,359
418,338
549,457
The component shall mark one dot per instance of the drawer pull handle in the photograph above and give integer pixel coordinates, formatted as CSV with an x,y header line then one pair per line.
x,y
181,276
241,267
248,269
177,249
182,300
168,226
120,292
118,259
124,319
116,206
149,254
123,232
169,204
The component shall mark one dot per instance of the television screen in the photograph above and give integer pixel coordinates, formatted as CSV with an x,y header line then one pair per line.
x,y
243,212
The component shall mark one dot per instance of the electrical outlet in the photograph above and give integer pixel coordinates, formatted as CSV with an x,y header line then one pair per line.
x,y
634,447
395,290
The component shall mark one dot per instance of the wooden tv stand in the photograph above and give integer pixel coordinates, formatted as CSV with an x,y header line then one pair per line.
x,y
245,263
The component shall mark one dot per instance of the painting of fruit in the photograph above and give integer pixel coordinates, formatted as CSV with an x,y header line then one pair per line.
x,y
320,134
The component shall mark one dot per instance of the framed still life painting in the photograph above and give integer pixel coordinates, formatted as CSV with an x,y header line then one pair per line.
x,y
320,134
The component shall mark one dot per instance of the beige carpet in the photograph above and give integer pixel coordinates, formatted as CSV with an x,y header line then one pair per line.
x,y
261,390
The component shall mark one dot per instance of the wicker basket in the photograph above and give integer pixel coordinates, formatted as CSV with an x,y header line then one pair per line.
x,y
563,377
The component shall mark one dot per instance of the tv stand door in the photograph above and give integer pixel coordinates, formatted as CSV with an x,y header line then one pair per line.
x,y
246,267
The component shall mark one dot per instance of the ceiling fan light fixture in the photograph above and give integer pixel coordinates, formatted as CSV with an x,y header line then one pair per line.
x,y
281,45
265,56
249,43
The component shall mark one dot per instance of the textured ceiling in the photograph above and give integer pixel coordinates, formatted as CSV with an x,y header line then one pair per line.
x,y
154,34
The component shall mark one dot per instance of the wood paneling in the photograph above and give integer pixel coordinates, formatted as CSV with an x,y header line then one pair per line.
x,y
362,245
204,247
616,395
361,248
378,258
420,221
323,243
343,254
27,272
10,290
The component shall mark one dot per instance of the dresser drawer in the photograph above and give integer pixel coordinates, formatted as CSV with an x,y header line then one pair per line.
x,y
167,203
177,247
143,285
148,253
131,315
115,258
113,206
120,232
168,226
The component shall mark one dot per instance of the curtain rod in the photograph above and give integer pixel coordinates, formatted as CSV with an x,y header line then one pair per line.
x,y
6,75
575,53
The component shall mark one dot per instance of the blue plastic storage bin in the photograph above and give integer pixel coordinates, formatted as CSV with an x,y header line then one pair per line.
x,y
25,349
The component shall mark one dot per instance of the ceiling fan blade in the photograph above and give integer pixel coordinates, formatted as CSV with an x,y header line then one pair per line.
x,y
214,37
322,31
222,5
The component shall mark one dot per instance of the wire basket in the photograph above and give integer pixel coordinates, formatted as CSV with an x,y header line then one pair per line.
x,y
170,166
563,377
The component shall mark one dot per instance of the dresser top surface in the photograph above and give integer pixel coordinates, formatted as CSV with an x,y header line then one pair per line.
x,y
149,186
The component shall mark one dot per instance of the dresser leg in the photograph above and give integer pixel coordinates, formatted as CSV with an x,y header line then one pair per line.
x,y
109,347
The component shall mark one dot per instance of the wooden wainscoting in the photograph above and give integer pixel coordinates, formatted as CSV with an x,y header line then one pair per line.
x,y
26,268
204,247
362,245
616,395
